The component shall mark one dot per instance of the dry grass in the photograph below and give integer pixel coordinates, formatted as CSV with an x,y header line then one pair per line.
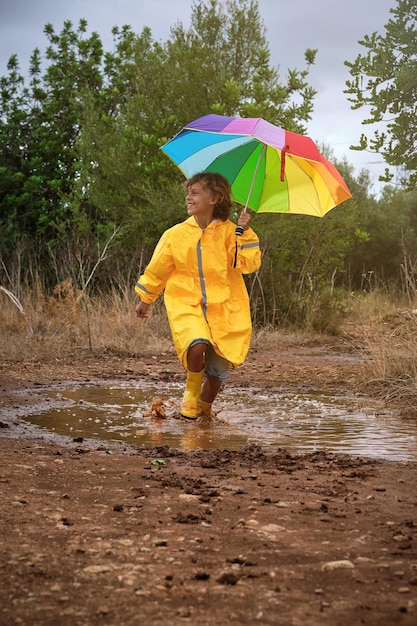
x,y
69,323
273,339
388,331
391,358
370,307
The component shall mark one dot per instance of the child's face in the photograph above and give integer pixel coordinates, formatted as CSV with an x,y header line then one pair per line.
x,y
200,201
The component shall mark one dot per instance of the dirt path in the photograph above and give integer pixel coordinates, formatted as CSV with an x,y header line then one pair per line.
x,y
156,536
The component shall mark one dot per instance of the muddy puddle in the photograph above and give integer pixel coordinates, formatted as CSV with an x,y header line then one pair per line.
x,y
300,421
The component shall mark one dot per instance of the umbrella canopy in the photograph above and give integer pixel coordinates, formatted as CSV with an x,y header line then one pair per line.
x,y
269,169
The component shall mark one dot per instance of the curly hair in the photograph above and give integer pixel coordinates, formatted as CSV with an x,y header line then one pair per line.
x,y
220,189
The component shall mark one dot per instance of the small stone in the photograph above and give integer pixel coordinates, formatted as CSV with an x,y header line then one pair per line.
x,y
97,569
188,497
228,579
332,565
252,523
271,528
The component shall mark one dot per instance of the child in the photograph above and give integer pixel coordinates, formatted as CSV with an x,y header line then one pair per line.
x,y
200,263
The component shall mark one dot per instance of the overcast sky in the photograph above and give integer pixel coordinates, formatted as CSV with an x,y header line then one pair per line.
x,y
332,26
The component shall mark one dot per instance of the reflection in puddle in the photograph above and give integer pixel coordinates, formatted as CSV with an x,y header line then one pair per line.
x,y
303,422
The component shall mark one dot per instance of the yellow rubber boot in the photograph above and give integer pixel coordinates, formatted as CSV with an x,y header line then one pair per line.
x,y
189,405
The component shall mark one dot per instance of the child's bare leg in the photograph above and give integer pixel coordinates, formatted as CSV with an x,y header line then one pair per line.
x,y
210,389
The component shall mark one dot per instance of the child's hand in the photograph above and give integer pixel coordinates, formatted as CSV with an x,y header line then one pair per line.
x,y
142,310
244,219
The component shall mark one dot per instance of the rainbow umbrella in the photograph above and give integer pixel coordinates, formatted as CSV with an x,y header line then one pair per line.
x,y
269,169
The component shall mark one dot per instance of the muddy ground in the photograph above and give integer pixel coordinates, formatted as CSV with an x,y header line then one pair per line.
x,y
158,536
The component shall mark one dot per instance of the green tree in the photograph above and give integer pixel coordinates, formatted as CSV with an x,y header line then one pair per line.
x,y
221,64
387,234
385,80
39,125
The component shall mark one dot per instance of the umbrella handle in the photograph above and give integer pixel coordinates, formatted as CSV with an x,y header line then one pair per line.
x,y
239,229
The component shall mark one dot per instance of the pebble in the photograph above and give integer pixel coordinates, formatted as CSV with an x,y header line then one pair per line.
x,y
271,528
97,569
332,565
188,497
252,523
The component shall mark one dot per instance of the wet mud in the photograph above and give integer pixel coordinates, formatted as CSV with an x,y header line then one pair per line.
x,y
105,532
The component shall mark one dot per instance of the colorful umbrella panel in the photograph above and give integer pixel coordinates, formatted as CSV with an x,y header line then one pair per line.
x,y
269,169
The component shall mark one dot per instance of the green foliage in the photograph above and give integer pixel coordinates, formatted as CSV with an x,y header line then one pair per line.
x,y
385,80
303,263
391,234
222,65
38,129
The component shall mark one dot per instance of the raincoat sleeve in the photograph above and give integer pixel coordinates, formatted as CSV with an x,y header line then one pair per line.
x,y
152,282
248,252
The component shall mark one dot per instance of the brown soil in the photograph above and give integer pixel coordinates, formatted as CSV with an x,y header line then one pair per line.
x,y
159,536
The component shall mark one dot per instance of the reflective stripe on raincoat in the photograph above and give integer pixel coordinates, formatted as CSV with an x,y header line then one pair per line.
x,y
205,294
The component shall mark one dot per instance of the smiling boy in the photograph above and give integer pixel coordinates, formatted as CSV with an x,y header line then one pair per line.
x,y
200,264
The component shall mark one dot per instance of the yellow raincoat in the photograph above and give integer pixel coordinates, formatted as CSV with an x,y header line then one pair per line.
x,y
205,294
